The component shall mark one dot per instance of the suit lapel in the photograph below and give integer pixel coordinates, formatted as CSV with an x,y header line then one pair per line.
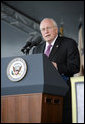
x,y
55,48
43,47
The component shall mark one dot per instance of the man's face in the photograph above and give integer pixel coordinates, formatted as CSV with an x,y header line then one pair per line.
x,y
48,30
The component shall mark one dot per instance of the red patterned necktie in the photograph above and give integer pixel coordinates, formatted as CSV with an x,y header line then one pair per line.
x,y
47,52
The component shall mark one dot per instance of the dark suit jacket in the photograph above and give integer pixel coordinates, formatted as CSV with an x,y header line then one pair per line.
x,y
65,53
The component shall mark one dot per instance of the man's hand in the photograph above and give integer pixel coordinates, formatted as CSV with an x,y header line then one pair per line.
x,y
55,65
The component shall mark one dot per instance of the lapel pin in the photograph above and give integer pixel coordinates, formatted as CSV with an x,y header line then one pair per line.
x,y
57,46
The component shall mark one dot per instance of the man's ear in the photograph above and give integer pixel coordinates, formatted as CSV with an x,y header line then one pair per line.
x,y
56,30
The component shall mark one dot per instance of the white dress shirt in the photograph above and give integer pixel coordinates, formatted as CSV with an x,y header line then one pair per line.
x,y
51,44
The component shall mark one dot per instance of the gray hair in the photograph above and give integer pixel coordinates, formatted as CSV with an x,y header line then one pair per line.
x,y
55,24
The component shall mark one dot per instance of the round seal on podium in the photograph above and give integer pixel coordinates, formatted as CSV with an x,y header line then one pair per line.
x,y
16,69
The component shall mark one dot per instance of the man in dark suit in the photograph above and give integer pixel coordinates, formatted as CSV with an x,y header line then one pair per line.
x,y
63,53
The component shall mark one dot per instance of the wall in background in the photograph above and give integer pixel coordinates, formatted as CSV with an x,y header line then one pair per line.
x,y
12,39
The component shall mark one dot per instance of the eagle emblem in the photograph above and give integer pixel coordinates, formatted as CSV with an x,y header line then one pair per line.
x,y
16,70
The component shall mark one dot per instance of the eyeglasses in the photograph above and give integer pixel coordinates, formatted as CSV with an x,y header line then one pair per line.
x,y
47,28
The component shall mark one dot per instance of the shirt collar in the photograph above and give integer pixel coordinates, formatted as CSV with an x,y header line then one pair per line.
x,y
52,42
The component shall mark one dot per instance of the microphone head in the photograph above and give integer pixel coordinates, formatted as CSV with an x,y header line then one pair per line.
x,y
28,44
33,40
36,40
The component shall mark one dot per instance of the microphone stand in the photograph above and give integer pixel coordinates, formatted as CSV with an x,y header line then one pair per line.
x,y
26,50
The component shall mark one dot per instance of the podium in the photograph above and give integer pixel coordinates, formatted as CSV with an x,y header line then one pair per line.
x,y
38,97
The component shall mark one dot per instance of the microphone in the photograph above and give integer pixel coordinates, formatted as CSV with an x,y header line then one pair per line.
x,y
25,47
34,41
27,44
